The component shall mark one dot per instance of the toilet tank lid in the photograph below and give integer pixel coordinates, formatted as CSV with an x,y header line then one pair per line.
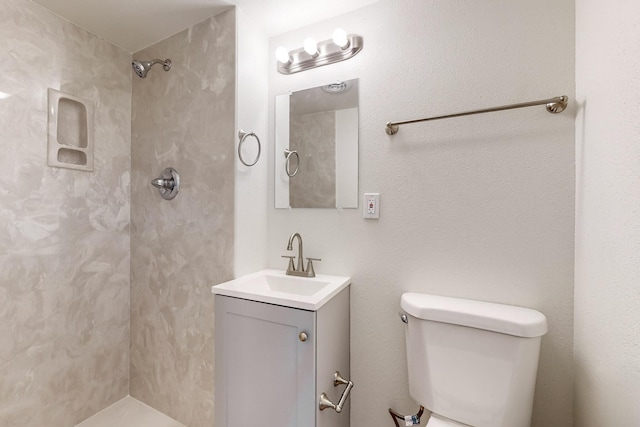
x,y
505,319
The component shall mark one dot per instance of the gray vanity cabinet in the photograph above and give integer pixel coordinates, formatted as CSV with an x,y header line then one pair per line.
x,y
273,363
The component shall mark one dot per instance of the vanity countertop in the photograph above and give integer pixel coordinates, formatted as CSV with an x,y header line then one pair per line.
x,y
275,287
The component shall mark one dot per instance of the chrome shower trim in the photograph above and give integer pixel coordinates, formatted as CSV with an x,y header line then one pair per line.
x,y
168,184
141,68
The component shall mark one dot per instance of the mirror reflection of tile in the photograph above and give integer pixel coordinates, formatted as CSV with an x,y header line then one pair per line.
x,y
321,125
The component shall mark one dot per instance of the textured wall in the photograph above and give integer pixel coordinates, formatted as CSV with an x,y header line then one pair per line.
x,y
313,136
251,184
183,118
607,293
64,235
478,207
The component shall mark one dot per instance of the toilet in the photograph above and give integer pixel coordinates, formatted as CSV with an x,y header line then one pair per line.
x,y
472,363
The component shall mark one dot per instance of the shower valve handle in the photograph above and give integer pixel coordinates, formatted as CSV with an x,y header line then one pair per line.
x,y
162,183
168,184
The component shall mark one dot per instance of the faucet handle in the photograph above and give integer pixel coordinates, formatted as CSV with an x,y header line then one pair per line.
x,y
310,271
290,267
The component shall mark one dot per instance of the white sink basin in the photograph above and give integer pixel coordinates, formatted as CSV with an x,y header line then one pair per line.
x,y
275,287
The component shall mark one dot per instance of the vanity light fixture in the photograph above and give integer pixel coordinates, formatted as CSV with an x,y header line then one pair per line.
x,y
282,55
339,37
311,47
340,47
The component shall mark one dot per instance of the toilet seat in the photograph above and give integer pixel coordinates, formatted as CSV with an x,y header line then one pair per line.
x,y
440,421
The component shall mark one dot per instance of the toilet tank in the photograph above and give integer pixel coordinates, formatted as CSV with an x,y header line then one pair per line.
x,y
471,361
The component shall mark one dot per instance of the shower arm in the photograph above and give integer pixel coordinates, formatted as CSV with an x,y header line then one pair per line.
x,y
166,64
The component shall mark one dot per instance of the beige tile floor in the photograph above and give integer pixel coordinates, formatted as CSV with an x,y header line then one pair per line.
x,y
129,412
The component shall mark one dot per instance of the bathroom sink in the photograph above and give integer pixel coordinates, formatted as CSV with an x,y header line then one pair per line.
x,y
275,287
292,285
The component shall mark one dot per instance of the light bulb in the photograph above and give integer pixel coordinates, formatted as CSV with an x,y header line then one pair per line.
x,y
282,55
310,46
340,38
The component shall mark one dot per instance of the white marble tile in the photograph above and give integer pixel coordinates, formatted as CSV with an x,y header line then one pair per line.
x,y
64,234
313,136
65,249
129,412
183,118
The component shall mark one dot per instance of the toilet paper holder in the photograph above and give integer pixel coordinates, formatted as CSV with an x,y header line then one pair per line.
x,y
324,399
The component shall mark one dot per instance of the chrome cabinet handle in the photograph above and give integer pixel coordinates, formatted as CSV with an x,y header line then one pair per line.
x,y
324,400
288,153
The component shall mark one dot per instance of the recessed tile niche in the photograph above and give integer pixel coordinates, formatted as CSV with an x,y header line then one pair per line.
x,y
70,131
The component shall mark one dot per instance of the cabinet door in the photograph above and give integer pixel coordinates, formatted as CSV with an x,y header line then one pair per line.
x,y
265,375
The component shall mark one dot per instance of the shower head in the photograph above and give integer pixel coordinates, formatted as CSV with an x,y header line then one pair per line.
x,y
142,67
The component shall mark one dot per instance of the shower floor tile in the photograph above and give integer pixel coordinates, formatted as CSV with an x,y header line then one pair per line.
x,y
129,412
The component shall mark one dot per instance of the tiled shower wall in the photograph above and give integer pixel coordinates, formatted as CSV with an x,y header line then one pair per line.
x,y
313,136
64,234
185,119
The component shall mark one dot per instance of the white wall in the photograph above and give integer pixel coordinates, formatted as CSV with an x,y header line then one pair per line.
x,y
607,291
478,207
251,115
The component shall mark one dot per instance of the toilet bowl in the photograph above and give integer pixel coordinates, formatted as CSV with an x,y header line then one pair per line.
x,y
440,421
472,363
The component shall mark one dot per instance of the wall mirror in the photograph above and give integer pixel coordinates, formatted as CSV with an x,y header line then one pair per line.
x,y
316,147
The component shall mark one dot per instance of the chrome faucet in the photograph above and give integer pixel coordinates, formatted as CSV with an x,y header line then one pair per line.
x,y
299,270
